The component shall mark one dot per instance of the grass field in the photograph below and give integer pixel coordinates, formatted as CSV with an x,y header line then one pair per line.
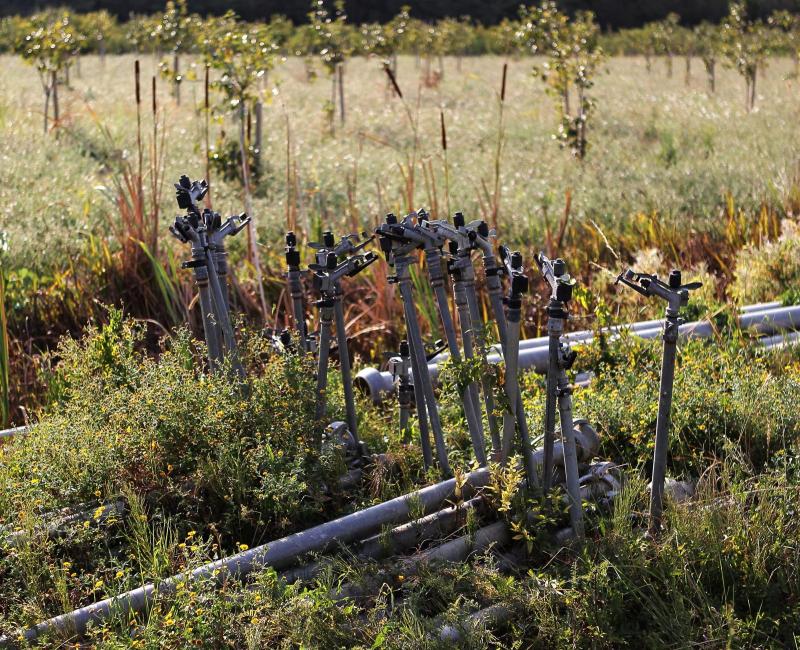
x,y
125,411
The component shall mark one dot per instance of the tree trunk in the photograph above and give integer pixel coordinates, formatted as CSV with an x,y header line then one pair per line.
x,y
441,68
46,105
687,78
669,66
259,130
753,91
711,70
176,70
54,83
332,111
340,69
252,246
648,63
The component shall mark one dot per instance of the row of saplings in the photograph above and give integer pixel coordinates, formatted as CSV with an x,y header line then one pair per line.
x,y
416,520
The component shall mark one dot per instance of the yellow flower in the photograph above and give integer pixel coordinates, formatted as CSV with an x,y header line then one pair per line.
x,y
243,547
254,620
191,534
119,574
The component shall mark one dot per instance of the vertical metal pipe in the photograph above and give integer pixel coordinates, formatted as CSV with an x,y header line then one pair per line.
x,y
570,453
477,329
415,337
219,308
471,413
326,317
344,366
663,420
465,321
554,328
419,400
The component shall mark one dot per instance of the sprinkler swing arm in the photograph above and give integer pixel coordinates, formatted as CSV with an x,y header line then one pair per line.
x,y
676,295
559,390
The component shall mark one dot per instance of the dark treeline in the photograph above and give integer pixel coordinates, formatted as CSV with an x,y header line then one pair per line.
x,y
611,14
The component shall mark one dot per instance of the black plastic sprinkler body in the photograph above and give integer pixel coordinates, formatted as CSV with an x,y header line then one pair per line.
x,y
398,248
329,278
518,287
295,285
676,295
559,390
207,233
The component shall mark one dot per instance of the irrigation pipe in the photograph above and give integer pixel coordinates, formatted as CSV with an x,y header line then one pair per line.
x,y
533,354
281,553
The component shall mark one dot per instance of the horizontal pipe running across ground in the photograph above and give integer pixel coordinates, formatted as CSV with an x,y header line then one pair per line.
x,y
279,554
533,354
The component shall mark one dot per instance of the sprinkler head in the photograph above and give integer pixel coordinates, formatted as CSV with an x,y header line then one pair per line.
x,y
559,267
483,229
292,257
330,261
516,260
328,240
453,247
422,215
458,220
405,351
291,239
391,219
674,279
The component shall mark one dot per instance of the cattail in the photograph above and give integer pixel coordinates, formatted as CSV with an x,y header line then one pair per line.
x,y
136,77
155,105
503,85
444,131
391,76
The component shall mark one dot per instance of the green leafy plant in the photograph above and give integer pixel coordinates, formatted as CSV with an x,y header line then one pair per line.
x,y
746,47
573,56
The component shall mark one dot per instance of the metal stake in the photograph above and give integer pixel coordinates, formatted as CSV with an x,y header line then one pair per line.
x,y
676,296
559,390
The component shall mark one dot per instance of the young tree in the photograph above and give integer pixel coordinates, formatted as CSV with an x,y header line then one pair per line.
x,y
333,44
708,44
787,25
99,27
665,38
746,47
172,33
49,45
502,39
242,54
573,56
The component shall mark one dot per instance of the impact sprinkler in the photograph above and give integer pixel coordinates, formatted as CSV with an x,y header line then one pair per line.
x,y
398,248
431,241
676,295
466,301
479,233
559,390
517,289
328,278
293,277
207,233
